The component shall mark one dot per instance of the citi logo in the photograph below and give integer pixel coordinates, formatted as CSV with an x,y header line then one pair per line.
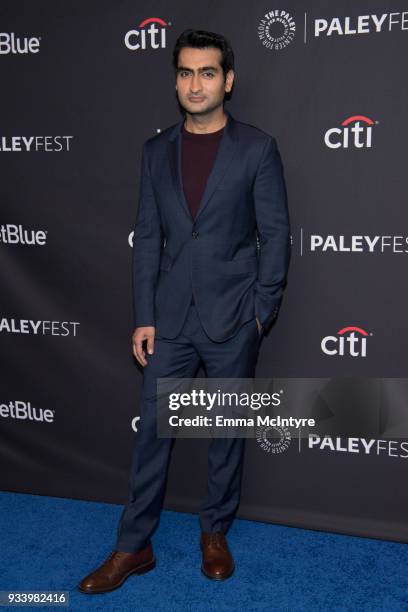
x,y
23,411
351,341
134,423
151,37
15,234
132,235
355,131
10,43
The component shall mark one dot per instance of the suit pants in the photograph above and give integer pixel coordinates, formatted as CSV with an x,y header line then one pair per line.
x,y
180,358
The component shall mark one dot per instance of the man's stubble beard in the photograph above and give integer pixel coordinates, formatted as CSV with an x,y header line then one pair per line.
x,y
206,111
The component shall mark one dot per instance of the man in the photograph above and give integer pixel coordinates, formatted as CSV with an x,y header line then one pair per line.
x,y
211,253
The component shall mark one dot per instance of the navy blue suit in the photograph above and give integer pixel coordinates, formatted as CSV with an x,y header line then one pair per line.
x,y
214,256
202,283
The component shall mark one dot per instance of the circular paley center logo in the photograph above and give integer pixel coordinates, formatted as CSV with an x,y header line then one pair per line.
x,y
276,29
273,443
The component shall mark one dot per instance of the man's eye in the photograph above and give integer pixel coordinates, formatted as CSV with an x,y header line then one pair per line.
x,y
183,73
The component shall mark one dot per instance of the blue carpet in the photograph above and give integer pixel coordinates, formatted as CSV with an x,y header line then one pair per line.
x,y
52,543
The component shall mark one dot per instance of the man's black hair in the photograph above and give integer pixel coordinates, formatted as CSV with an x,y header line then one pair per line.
x,y
201,39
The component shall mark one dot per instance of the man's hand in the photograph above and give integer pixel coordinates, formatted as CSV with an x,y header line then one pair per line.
x,y
139,335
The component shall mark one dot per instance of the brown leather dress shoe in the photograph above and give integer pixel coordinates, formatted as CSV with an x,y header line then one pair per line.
x,y
218,563
116,568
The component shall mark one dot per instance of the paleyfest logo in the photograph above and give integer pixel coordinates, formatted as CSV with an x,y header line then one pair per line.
x,y
362,446
361,24
38,328
357,243
150,34
335,444
355,131
272,443
276,29
29,144
350,341
351,244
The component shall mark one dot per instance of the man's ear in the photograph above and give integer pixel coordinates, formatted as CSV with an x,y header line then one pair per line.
x,y
229,80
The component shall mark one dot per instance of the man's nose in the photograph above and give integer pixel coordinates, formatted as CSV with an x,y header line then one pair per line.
x,y
195,84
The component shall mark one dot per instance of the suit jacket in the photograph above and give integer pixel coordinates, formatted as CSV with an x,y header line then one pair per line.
x,y
233,257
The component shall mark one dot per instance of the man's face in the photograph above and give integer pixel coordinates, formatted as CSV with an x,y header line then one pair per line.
x,y
200,80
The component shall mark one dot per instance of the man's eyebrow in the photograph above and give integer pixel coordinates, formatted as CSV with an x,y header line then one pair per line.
x,y
200,69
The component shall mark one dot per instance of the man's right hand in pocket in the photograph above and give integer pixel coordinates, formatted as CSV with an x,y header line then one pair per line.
x,y
139,336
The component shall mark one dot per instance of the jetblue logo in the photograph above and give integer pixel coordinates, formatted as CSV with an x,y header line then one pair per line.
x,y
16,234
23,411
18,45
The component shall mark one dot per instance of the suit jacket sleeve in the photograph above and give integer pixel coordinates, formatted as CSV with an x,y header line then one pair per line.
x,y
147,243
273,226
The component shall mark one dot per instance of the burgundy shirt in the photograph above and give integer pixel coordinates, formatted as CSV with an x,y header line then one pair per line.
x,y
197,158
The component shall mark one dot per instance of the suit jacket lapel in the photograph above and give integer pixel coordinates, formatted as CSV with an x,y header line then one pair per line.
x,y
226,150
